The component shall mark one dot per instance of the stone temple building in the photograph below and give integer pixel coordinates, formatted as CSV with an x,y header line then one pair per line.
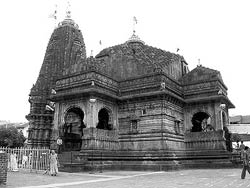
x,y
130,106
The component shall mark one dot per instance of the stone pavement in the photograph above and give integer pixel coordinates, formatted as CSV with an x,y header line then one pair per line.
x,y
192,178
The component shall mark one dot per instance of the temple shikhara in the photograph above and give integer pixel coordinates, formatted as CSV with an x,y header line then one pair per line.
x,y
132,106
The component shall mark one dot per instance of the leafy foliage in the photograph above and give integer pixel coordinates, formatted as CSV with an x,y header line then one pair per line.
x,y
10,137
236,137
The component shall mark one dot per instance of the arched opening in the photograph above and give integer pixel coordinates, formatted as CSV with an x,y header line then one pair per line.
x,y
201,122
72,129
104,120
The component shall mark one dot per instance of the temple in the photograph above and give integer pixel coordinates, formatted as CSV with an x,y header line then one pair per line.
x,y
132,106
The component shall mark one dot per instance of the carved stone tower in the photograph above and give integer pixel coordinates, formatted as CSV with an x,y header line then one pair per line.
x,y
64,52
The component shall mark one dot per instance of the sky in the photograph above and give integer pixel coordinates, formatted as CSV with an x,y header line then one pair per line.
x,y
215,31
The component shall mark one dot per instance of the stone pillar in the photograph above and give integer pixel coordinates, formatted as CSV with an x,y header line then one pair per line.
x,y
221,120
217,116
3,167
92,113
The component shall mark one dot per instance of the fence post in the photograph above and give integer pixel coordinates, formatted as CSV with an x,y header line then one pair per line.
x,y
3,167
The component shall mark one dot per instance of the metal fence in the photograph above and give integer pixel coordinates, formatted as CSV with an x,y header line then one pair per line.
x,y
33,159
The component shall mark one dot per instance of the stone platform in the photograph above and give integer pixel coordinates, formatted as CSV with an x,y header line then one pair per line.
x,y
144,160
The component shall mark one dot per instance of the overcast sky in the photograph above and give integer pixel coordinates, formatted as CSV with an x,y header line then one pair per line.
x,y
215,31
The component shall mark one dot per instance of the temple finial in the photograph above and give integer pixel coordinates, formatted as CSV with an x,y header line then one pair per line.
x,y
134,23
134,38
68,12
54,15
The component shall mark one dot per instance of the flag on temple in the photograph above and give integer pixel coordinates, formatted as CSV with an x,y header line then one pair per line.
x,y
49,108
135,20
54,14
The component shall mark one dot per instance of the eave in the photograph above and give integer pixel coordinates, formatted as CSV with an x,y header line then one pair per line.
x,y
97,92
221,98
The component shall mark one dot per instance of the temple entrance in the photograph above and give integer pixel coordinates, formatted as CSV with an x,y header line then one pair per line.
x,y
72,129
104,120
201,122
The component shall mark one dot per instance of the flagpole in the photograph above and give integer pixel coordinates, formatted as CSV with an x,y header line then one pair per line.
x,y
54,15
134,23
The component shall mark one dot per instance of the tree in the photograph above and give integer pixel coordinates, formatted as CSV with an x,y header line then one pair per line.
x,y
236,137
10,137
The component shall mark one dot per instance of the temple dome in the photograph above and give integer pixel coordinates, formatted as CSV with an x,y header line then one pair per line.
x,y
201,74
134,58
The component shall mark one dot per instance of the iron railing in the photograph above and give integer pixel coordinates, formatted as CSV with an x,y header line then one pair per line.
x,y
32,159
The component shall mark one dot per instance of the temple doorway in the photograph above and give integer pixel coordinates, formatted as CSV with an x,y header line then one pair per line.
x,y
73,129
201,122
104,120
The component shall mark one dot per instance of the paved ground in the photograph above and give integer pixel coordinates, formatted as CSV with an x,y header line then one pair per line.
x,y
200,178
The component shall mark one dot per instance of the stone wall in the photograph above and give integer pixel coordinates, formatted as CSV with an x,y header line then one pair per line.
x,y
151,141
3,168
205,140
151,124
100,139
151,114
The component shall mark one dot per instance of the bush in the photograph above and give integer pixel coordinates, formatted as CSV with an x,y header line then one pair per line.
x,y
10,137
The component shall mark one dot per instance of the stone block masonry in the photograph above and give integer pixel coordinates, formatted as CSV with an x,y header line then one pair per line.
x,y
3,168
